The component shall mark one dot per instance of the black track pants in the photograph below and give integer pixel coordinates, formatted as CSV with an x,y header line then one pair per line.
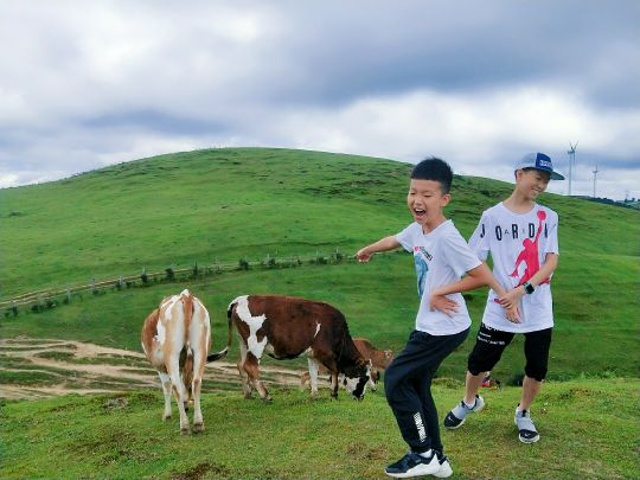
x,y
407,385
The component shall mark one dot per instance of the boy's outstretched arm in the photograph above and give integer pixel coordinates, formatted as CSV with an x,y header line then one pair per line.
x,y
383,245
512,298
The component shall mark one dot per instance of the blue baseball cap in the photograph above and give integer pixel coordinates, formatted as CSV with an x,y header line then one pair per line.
x,y
539,161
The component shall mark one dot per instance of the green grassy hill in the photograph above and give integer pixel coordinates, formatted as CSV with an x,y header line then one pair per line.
x,y
226,204
199,206
229,203
223,205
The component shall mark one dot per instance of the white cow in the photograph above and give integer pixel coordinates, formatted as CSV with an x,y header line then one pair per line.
x,y
176,338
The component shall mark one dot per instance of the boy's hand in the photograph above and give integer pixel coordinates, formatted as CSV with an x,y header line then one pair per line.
x,y
363,255
443,304
513,315
511,299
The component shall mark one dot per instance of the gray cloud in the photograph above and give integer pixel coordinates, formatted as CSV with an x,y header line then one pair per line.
x,y
85,84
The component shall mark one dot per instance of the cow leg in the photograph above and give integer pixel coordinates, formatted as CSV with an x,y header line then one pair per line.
x,y
333,375
334,384
314,367
199,338
165,380
196,388
244,377
373,380
186,358
251,366
180,391
198,421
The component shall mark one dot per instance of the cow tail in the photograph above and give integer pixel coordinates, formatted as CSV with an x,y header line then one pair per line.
x,y
187,369
223,353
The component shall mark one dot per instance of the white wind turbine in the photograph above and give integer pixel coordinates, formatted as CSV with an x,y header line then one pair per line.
x,y
572,161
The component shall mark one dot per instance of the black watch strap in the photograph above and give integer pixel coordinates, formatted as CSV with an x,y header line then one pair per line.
x,y
528,288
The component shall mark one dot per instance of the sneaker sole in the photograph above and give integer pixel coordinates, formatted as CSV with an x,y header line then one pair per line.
x,y
529,440
417,471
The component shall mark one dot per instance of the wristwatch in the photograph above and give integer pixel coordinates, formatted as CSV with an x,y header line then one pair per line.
x,y
528,288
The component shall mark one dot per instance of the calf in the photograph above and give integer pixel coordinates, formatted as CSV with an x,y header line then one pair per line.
x,y
287,327
380,360
176,338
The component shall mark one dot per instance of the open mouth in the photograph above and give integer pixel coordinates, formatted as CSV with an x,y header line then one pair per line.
x,y
419,213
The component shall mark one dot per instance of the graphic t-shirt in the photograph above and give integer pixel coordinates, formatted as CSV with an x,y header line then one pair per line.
x,y
441,257
518,244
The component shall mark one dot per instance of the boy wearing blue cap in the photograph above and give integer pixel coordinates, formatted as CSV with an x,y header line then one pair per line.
x,y
522,238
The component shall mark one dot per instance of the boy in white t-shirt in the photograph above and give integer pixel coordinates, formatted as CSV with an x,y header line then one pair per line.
x,y
445,266
522,238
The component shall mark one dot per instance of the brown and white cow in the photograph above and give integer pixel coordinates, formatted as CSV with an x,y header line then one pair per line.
x,y
380,360
176,338
287,327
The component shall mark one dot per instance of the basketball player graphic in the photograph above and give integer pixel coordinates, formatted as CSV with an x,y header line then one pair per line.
x,y
529,254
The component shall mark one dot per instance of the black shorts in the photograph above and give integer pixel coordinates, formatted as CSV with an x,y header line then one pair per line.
x,y
490,343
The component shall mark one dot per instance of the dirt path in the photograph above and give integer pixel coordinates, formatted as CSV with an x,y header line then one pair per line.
x,y
33,368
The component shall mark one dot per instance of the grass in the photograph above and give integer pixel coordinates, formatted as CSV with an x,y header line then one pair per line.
x,y
122,436
178,209
379,302
227,204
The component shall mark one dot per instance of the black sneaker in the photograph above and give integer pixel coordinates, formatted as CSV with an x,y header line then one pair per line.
x,y
458,414
414,465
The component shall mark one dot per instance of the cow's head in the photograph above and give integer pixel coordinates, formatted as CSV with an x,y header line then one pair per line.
x,y
355,380
388,358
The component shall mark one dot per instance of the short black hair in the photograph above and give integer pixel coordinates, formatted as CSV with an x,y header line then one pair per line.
x,y
434,169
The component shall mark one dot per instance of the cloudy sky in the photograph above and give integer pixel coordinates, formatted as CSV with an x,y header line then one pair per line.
x,y
479,83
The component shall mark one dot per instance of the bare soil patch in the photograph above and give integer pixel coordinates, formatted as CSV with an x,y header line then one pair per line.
x,y
35,368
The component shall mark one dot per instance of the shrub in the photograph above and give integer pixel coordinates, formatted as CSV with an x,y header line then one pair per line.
x,y
269,262
171,275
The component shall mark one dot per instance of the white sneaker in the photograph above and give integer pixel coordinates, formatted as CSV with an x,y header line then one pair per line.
x,y
414,465
527,432
445,467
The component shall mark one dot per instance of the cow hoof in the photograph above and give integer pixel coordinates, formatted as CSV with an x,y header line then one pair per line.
x,y
248,396
198,427
185,431
166,417
267,399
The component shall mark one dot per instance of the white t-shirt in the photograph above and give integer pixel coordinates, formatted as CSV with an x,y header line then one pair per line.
x,y
441,257
518,244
